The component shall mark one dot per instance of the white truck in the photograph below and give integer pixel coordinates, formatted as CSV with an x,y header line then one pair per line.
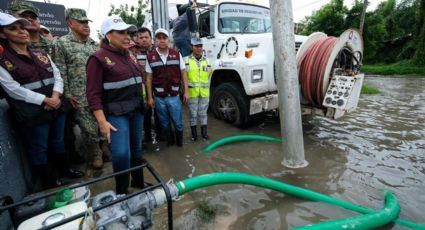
x,y
238,41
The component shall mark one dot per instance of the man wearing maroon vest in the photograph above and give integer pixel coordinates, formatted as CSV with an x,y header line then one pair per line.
x,y
165,73
144,41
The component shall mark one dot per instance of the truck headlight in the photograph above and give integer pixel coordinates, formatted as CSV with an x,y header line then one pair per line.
x,y
256,75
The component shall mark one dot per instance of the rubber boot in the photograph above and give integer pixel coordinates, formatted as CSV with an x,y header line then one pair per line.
x,y
61,161
121,183
137,179
194,133
204,132
95,154
106,152
169,135
179,138
47,176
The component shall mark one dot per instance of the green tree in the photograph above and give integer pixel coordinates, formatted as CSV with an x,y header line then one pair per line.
x,y
374,28
328,19
131,14
388,30
419,57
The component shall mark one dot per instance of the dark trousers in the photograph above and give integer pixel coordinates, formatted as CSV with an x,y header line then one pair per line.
x,y
39,138
69,136
148,124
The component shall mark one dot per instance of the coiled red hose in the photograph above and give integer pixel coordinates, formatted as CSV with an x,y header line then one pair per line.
x,y
312,69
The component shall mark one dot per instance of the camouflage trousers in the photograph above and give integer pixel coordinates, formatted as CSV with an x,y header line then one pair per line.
x,y
198,107
88,125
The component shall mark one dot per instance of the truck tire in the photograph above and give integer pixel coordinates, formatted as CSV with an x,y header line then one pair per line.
x,y
231,104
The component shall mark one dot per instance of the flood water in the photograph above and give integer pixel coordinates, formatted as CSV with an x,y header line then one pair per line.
x,y
379,146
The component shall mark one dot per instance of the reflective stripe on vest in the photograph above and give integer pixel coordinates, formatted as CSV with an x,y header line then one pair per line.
x,y
122,84
198,77
39,84
160,63
141,57
194,85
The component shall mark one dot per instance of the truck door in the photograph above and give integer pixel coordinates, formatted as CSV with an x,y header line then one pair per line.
x,y
206,23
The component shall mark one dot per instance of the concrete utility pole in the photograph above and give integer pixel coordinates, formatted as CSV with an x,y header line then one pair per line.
x,y
288,85
363,16
160,15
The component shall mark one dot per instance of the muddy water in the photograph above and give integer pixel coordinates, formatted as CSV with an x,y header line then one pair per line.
x,y
380,146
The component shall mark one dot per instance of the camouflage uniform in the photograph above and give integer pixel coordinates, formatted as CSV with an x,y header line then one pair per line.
x,y
71,58
45,45
19,7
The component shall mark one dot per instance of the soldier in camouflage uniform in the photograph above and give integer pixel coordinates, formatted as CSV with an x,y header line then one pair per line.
x,y
23,9
72,52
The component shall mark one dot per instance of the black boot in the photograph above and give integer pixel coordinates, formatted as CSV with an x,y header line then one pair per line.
x,y
179,138
169,135
194,133
61,161
204,132
48,177
137,180
121,183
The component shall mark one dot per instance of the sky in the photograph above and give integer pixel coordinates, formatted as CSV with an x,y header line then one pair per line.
x,y
99,9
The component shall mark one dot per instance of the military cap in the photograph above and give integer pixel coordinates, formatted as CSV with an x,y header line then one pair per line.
x,y
77,14
19,7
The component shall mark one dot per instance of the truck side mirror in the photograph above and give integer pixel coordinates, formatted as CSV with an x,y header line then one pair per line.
x,y
191,18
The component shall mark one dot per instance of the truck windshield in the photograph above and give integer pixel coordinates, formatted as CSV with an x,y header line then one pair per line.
x,y
243,18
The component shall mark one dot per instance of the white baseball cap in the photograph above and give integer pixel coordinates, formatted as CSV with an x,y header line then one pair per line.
x,y
44,28
162,31
7,19
114,22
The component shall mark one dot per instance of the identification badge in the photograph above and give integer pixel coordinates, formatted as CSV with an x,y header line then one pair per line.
x,y
9,65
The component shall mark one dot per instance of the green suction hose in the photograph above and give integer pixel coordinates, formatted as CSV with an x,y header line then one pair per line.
x,y
367,221
206,180
232,139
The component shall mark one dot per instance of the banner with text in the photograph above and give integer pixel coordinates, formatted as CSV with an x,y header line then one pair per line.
x,y
51,16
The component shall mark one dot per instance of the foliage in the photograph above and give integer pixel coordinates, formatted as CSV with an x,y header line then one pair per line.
x,y
394,31
131,14
419,57
400,68
367,89
329,19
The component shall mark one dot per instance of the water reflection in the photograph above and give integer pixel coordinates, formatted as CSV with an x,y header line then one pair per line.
x,y
380,146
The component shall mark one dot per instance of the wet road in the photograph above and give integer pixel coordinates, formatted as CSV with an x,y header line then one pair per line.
x,y
380,146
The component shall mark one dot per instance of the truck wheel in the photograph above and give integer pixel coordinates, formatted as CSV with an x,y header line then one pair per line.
x,y
231,104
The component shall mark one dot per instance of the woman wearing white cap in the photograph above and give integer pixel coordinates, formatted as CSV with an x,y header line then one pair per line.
x,y
33,86
114,94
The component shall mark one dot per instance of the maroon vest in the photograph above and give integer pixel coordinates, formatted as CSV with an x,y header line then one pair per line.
x,y
141,56
36,74
166,77
122,81
26,70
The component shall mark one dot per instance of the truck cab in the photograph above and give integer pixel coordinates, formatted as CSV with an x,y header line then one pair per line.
x,y
237,40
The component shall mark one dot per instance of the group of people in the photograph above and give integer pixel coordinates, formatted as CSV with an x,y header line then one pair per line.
x,y
110,90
